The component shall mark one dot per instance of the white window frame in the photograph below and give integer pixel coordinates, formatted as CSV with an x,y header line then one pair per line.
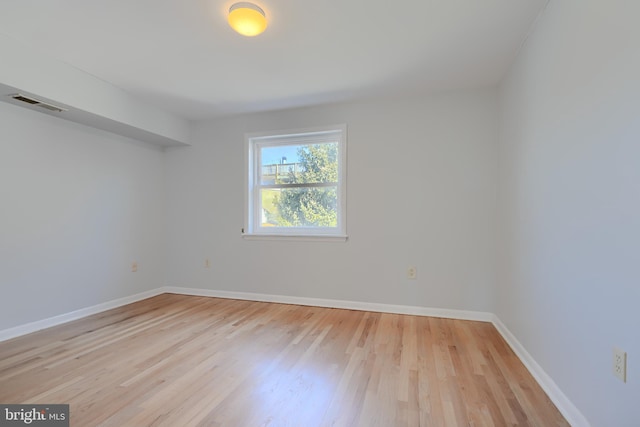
x,y
252,215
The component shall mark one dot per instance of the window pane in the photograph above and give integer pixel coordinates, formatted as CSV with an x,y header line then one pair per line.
x,y
299,164
300,207
296,183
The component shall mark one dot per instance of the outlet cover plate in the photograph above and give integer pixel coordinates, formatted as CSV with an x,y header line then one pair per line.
x,y
620,364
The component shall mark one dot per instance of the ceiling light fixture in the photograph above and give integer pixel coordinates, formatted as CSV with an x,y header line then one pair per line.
x,y
247,19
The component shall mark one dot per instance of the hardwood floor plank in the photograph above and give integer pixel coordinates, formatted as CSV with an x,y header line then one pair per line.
x,y
196,361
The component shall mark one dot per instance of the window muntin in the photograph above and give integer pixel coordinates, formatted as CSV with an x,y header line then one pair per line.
x,y
296,183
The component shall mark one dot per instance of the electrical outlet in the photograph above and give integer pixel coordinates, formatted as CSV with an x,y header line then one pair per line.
x,y
134,267
620,364
207,263
412,273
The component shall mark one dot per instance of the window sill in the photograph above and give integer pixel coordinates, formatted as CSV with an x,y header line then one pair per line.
x,y
296,237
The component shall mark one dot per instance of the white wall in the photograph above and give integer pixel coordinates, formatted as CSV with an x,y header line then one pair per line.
x,y
570,202
77,205
90,100
421,191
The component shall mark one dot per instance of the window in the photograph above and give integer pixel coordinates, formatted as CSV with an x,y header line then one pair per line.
x,y
296,184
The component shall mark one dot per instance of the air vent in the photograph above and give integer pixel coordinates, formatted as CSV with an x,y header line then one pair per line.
x,y
25,99
51,107
38,103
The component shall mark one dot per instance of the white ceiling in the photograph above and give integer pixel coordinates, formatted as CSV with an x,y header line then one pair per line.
x,y
182,56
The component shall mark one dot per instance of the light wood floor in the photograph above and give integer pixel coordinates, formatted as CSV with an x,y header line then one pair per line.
x,y
179,361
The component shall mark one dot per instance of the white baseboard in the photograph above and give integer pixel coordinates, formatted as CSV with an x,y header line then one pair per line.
x,y
28,328
562,402
333,303
564,405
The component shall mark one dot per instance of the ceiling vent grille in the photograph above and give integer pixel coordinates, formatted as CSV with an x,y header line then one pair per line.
x,y
37,102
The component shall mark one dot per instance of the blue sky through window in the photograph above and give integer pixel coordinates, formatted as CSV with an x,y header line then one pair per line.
x,y
273,155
